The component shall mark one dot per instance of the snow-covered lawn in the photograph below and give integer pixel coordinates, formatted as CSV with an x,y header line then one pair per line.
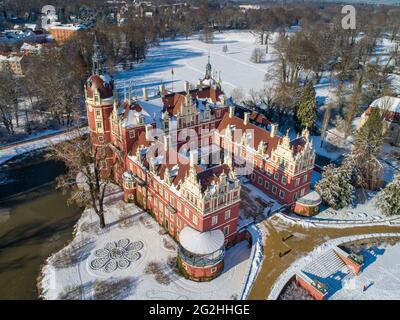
x,y
381,275
127,221
188,58
362,212
391,155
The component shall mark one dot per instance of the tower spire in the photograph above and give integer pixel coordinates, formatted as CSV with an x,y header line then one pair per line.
x,y
208,68
98,59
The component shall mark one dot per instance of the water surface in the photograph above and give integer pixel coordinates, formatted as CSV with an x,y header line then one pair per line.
x,y
35,221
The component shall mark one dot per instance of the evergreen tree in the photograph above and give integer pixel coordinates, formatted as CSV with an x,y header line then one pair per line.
x,y
335,186
369,138
364,157
389,198
306,110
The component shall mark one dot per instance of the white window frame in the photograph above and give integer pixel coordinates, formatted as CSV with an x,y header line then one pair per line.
x,y
214,220
227,214
226,230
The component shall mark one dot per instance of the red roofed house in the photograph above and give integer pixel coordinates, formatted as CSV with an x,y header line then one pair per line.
x,y
390,110
196,203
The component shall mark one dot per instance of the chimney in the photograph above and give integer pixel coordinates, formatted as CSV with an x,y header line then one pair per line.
x,y
222,99
145,94
115,108
186,86
274,128
162,90
231,111
149,129
193,158
246,118
166,142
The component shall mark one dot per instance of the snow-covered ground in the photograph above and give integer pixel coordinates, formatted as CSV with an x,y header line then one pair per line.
x,y
381,275
361,212
34,136
127,221
188,58
384,291
257,193
13,151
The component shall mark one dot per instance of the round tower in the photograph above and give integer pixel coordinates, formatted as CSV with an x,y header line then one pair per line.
x,y
99,96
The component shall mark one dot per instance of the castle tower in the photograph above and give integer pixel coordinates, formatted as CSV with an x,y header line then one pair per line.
x,y
98,59
208,69
99,97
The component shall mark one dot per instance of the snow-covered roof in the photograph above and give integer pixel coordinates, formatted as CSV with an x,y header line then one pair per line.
x,y
312,198
201,242
10,57
70,26
31,47
136,118
388,103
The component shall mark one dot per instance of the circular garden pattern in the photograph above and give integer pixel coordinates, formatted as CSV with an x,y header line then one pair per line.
x,y
116,255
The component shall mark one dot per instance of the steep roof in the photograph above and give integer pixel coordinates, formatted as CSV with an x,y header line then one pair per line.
x,y
259,118
132,112
388,103
177,164
103,83
298,144
173,101
210,175
259,134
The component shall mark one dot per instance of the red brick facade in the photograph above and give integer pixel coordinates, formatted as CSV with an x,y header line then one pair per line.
x,y
178,192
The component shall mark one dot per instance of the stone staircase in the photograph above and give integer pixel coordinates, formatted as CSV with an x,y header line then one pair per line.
x,y
330,269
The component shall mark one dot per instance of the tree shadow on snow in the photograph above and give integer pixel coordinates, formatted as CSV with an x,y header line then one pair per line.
x,y
159,59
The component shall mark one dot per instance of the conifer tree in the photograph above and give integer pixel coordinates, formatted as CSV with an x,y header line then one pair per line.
x,y
306,110
369,138
389,198
367,144
335,187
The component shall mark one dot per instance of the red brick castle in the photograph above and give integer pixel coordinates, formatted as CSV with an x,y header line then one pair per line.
x,y
179,155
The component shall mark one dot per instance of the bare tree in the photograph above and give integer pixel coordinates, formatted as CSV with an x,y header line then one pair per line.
x,y
207,35
81,160
8,100
354,107
325,121
238,95
257,55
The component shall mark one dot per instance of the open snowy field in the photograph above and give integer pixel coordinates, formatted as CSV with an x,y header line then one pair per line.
x,y
188,58
69,272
